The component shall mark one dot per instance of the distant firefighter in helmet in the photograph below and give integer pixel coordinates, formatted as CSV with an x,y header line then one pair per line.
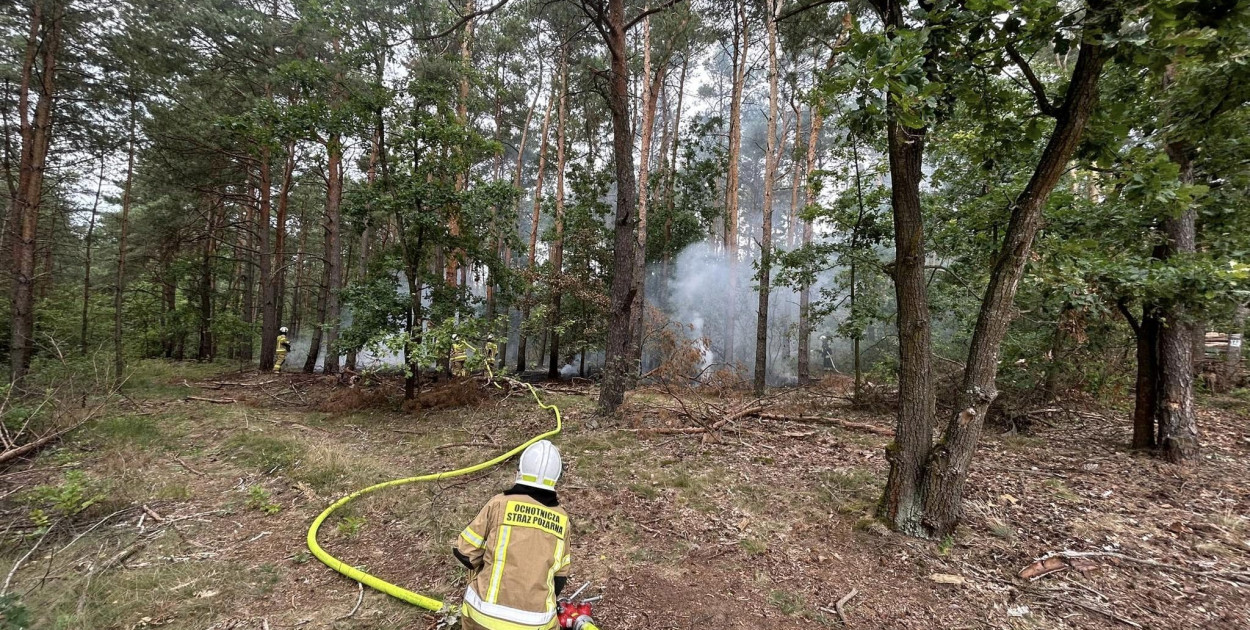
x,y
517,550
284,346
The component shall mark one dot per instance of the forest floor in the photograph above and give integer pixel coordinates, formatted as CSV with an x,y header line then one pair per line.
x,y
187,507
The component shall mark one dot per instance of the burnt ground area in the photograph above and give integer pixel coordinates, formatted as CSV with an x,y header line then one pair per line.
x,y
187,507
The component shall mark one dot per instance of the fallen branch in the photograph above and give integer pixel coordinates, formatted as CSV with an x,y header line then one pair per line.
x,y
152,513
464,444
839,604
846,424
217,401
1094,609
1240,576
31,447
188,466
360,597
221,384
16,565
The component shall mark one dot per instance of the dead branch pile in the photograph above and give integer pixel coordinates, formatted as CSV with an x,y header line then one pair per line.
x,y
55,418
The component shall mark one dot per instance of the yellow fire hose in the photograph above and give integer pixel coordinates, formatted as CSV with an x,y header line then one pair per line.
x,y
399,592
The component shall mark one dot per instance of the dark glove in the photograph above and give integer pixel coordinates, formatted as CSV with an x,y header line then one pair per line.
x,y
468,564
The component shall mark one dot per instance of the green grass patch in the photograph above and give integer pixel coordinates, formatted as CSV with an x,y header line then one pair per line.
x,y
265,453
1061,490
790,604
260,500
1002,530
128,430
644,490
753,546
850,490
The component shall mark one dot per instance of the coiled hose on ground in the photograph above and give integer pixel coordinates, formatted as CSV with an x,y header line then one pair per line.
x,y
374,582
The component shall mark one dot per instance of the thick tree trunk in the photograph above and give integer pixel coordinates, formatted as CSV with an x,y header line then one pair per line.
x,y
741,45
462,116
617,367
535,217
949,461
319,323
334,252
557,245
1178,427
86,275
901,505
771,157
1145,397
36,138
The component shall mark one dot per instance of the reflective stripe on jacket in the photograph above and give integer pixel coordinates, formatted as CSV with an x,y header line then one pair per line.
x,y
519,546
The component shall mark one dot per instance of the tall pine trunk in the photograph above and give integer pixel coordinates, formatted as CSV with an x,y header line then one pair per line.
x,y
805,290
741,45
652,85
334,252
273,262
36,138
119,357
516,183
557,245
618,368
670,194
535,217
88,241
771,158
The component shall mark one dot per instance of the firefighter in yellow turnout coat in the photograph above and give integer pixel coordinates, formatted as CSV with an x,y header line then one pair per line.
x,y
284,346
517,550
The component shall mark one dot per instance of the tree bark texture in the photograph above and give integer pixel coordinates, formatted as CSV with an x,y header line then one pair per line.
x,y
334,252
741,47
617,366
36,138
949,460
772,156
535,219
119,356
1178,427
557,245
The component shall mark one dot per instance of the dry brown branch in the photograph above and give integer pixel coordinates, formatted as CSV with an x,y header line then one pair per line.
x,y
1239,576
188,466
217,401
152,513
360,597
463,444
845,424
838,607
1094,609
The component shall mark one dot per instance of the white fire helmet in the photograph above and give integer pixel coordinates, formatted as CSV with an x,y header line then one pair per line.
x,y
540,466
282,330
